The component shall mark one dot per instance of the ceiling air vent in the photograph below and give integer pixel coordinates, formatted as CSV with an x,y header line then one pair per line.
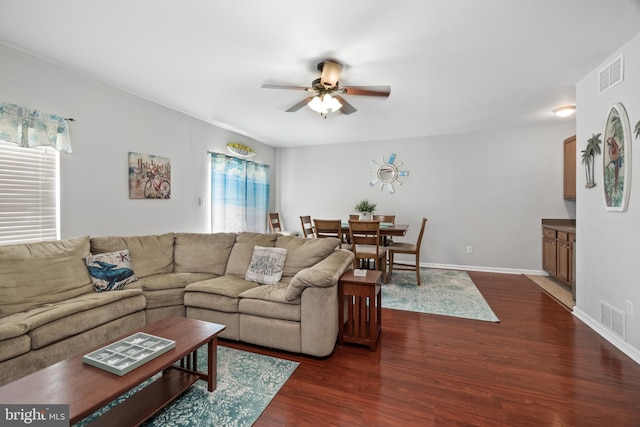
x,y
611,75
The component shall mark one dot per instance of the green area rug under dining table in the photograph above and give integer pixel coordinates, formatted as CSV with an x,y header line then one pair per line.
x,y
443,292
246,383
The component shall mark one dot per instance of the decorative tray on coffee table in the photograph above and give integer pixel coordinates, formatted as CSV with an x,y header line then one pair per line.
x,y
129,353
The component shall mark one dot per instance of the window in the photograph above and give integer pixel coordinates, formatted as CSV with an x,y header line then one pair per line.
x,y
239,194
28,194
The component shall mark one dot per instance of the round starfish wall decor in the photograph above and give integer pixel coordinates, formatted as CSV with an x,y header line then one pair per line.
x,y
386,174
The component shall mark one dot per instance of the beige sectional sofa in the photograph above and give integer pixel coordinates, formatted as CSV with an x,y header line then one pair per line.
x,y
50,309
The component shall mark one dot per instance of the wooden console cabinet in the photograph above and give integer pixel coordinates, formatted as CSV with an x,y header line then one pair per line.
x,y
557,254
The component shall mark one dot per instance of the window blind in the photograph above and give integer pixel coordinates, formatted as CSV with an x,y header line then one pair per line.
x,y
28,194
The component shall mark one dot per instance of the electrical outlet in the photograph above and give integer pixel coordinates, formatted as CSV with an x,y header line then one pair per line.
x,y
469,249
630,308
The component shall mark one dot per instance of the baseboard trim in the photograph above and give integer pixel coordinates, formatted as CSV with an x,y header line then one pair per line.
x,y
479,268
624,347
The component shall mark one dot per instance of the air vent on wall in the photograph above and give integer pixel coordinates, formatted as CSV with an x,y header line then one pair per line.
x,y
613,319
611,75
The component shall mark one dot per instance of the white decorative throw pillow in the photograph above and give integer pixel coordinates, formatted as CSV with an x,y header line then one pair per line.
x,y
266,265
110,271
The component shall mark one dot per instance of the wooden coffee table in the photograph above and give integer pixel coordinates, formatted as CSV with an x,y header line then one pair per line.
x,y
86,388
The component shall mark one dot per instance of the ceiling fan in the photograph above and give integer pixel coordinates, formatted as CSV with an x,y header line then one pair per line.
x,y
326,91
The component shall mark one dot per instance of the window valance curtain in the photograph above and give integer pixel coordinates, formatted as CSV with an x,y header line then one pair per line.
x,y
32,128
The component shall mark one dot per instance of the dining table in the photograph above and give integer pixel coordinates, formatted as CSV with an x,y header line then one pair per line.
x,y
387,229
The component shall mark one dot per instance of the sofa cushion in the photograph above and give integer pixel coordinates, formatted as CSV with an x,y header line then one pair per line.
x,y
164,298
266,265
151,254
13,347
39,316
202,253
110,271
10,327
242,251
157,282
219,294
303,253
42,273
269,301
56,322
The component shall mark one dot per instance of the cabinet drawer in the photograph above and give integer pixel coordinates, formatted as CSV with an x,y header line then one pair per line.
x,y
562,235
549,233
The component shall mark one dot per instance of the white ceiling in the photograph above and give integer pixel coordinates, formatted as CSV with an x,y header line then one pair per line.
x,y
454,66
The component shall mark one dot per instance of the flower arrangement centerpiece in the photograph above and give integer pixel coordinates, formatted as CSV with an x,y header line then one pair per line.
x,y
365,208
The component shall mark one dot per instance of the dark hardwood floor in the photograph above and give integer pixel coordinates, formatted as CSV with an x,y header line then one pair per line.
x,y
539,366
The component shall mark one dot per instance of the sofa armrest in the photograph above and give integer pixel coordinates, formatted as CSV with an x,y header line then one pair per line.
x,y
322,275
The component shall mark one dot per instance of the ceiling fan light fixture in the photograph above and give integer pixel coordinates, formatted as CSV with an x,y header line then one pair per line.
x,y
326,93
330,73
316,105
325,104
565,111
333,104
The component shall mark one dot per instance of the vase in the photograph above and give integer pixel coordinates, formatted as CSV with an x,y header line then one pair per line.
x,y
365,216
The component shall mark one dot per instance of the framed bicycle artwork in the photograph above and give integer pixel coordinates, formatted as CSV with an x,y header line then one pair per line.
x,y
617,159
149,176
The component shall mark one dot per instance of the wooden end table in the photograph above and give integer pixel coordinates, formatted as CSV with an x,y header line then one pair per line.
x,y
86,388
364,308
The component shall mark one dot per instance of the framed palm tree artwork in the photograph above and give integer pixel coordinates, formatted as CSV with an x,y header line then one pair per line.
x,y
617,159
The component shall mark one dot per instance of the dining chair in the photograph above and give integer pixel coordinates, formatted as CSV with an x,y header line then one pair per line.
x,y
354,217
329,228
276,226
386,240
407,248
365,244
384,218
307,226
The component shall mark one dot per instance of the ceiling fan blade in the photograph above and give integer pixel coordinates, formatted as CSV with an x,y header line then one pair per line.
x,y
300,104
346,107
267,86
366,90
330,73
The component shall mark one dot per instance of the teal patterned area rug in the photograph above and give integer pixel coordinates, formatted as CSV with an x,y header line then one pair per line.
x,y
444,292
246,384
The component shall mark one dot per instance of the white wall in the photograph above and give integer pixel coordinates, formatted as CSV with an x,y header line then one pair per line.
x,y
487,190
109,124
608,243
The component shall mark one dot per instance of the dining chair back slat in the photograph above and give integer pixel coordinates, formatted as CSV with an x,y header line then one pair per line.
x,y
365,244
386,240
276,226
307,226
329,228
385,218
274,223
